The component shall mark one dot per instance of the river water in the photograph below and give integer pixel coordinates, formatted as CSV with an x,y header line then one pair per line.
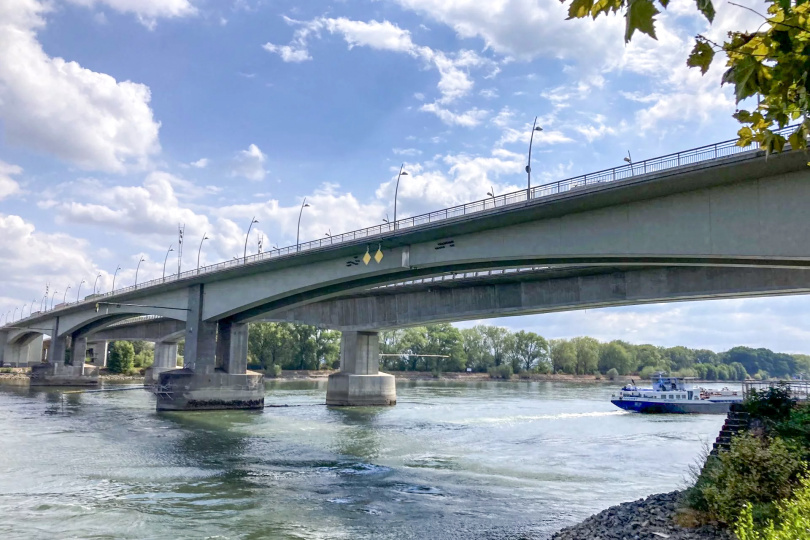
x,y
450,460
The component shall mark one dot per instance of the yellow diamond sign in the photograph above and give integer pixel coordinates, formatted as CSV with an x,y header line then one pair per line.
x,y
378,256
366,258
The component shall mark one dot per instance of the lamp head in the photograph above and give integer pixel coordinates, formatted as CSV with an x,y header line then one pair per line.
x,y
306,205
404,173
538,128
627,159
490,194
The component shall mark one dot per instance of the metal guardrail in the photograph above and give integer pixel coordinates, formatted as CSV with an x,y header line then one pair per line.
x,y
799,389
456,276
379,232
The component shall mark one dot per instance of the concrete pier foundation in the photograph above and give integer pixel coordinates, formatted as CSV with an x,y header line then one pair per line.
x,y
214,375
360,381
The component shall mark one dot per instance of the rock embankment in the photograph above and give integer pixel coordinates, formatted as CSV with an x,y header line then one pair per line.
x,y
645,519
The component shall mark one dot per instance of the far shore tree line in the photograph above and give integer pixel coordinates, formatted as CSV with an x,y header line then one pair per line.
x,y
438,348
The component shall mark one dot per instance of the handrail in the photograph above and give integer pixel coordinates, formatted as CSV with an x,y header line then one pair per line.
x,y
378,232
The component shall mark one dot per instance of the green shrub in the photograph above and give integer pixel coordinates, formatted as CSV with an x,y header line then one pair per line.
x,y
273,371
771,406
121,358
179,361
755,470
504,371
648,372
612,374
792,519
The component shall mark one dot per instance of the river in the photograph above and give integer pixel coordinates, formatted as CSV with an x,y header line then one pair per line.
x,y
451,460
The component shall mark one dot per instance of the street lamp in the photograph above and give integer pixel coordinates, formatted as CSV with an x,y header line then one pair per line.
x,y
53,297
204,238
298,234
629,159
329,235
78,292
164,261
31,311
136,270
535,127
96,282
491,193
396,192
252,221
41,302
115,274
15,314
64,298
22,312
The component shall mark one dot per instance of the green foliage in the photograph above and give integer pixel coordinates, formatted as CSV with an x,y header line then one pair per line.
x,y
771,406
144,354
526,350
587,349
792,519
563,356
756,470
121,357
770,63
292,346
612,374
274,371
614,357
504,371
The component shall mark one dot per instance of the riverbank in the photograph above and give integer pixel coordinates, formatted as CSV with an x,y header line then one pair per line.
x,y
651,518
323,375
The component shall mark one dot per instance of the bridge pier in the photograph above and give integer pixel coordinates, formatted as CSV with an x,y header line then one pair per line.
x,y
165,360
56,373
215,373
99,352
359,381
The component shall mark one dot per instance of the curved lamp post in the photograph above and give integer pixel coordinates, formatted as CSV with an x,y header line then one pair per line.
x,y
535,127
31,311
136,270
22,312
96,282
171,248
64,298
15,314
204,238
629,159
252,221
41,302
53,297
115,274
298,234
79,291
396,192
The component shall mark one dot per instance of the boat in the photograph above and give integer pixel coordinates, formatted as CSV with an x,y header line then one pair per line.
x,y
675,395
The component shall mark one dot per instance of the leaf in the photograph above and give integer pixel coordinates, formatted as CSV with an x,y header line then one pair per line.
x,y
707,8
744,75
579,9
701,56
640,14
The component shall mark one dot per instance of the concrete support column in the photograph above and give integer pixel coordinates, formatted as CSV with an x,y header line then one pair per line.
x,y
55,372
3,341
165,360
201,336
200,385
99,352
360,381
232,347
78,353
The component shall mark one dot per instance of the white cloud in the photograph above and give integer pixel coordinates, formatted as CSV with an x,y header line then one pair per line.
x,y
200,163
454,79
407,152
8,186
61,108
470,118
250,164
147,11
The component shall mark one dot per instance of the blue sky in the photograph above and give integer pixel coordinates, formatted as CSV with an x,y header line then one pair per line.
x,y
121,118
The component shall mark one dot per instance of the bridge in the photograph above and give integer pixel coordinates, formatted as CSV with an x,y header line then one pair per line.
x,y
714,222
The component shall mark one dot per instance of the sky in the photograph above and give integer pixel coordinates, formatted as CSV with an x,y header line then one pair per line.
x,y
121,119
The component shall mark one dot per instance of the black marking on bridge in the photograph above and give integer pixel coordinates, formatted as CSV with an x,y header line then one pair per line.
x,y
354,262
445,244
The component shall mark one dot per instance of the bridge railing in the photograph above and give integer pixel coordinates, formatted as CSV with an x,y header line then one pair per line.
x,y
379,232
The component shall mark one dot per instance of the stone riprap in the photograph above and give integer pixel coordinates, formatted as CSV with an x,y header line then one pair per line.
x,y
645,519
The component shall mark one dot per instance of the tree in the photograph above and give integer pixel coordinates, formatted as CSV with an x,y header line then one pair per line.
x,y
614,356
496,340
587,354
563,356
527,350
121,357
770,63
474,342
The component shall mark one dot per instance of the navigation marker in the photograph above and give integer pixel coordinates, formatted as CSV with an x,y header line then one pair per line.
x,y
379,255
366,257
